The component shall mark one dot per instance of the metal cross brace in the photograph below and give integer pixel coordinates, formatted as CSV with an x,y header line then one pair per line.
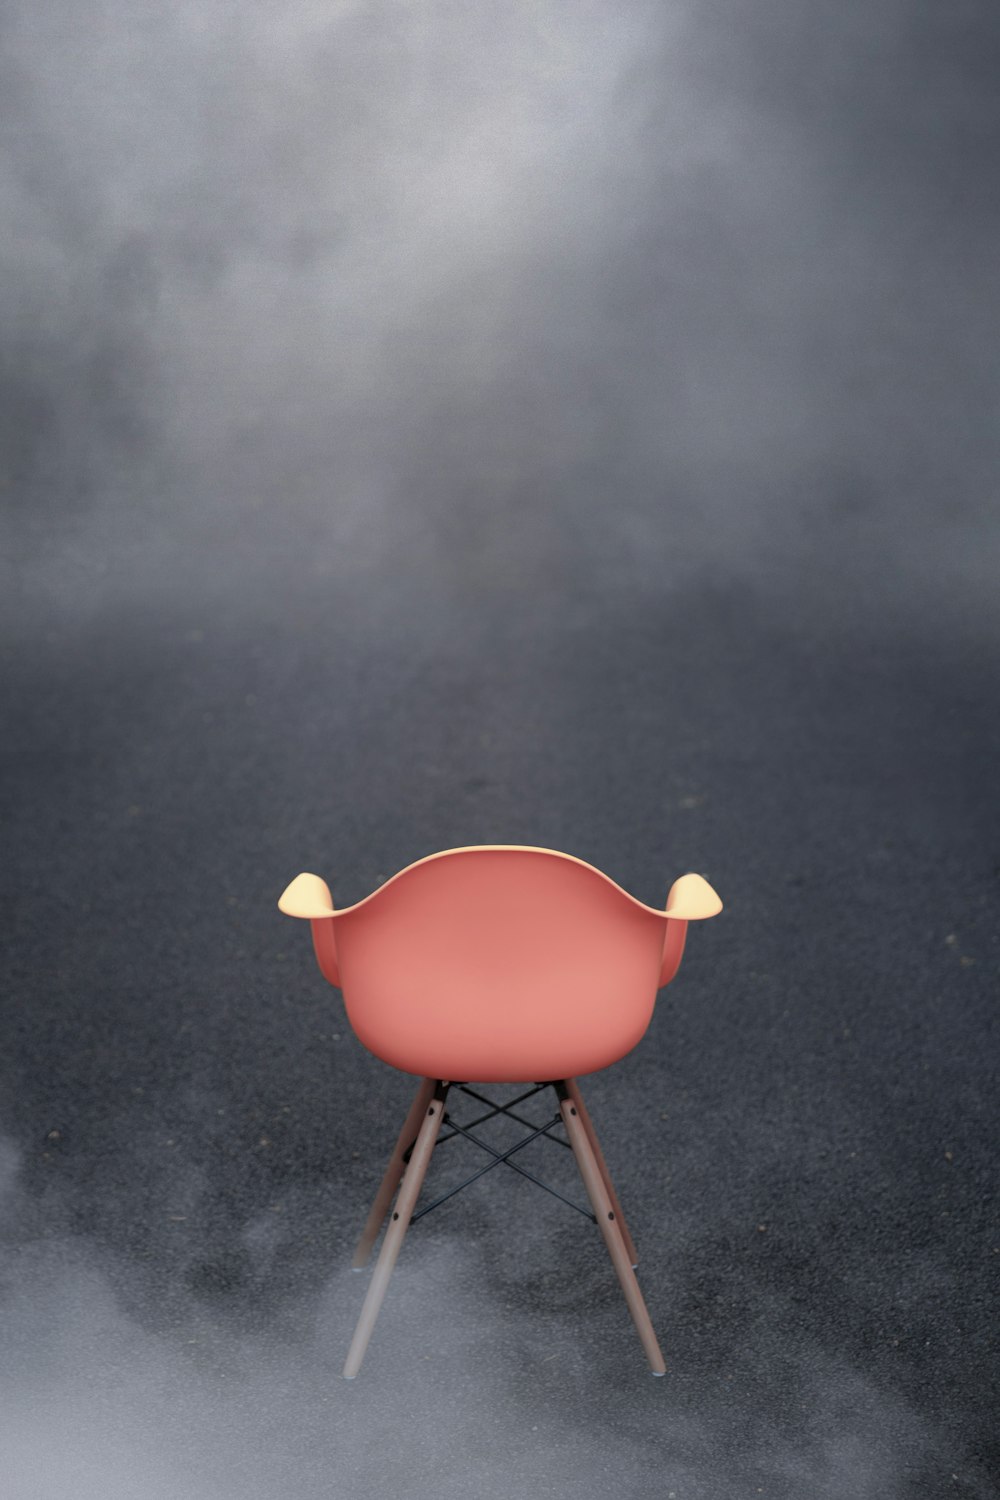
x,y
502,1156
502,1109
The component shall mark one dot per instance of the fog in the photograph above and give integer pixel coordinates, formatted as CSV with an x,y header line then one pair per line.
x,y
494,296
492,1394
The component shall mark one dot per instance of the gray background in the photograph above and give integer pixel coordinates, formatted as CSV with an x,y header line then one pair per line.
x,y
555,423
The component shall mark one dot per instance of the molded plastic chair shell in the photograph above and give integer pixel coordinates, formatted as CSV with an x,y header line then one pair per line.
x,y
499,963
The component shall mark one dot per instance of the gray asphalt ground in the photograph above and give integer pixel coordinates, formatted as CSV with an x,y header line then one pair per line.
x,y
455,425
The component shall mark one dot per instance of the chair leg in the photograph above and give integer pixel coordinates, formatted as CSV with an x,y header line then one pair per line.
x,y
601,1204
393,1173
405,1203
573,1089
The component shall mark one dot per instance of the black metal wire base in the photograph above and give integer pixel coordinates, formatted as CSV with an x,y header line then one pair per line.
x,y
501,1157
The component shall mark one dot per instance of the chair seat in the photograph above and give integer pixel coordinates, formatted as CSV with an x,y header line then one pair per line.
x,y
499,964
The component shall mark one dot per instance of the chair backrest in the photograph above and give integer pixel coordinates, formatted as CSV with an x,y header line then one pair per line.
x,y
499,963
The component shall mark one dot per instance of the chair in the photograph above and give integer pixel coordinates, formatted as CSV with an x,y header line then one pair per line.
x,y
498,963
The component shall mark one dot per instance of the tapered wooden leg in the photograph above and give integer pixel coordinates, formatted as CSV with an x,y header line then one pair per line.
x,y
573,1089
409,1192
600,1202
393,1173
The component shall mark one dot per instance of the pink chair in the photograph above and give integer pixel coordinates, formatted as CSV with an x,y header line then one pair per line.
x,y
498,963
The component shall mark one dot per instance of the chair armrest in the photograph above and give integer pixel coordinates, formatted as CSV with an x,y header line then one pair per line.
x,y
691,899
308,896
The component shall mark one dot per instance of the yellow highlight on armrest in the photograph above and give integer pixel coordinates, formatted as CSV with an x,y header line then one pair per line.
x,y
307,896
692,899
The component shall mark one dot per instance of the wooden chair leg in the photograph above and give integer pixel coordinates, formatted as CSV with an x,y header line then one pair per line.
x,y
391,1245
393,1174
600,1202
573,1089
